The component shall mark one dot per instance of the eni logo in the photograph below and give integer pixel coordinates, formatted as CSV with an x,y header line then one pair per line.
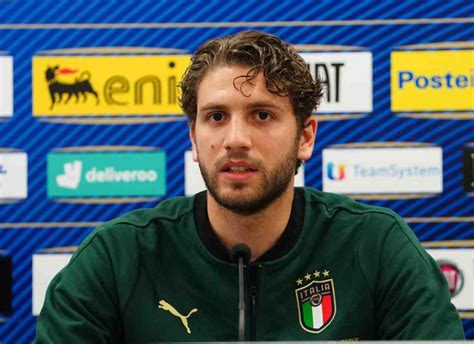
x,y
108,85
184,318
336,172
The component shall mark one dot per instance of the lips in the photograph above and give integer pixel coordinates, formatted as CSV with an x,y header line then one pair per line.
x,y
238,167
238,171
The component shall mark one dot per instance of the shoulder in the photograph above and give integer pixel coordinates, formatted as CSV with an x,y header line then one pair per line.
x,y
121,233
169,210
367,224
340,206
166,211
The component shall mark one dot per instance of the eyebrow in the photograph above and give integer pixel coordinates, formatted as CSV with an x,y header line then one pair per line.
x,y
253,105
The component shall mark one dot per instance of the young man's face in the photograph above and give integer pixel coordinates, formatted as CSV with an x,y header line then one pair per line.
x,y
245,140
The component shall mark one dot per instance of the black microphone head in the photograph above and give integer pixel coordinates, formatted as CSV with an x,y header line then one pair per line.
x,y
240,251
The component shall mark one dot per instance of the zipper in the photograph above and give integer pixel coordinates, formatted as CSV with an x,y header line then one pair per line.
x,y
253,293
253,312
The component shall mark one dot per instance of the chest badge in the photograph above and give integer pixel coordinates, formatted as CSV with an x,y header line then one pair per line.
x,y
184,318
316,301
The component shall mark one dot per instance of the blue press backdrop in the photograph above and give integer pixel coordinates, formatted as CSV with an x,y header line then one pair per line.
x,y
36,138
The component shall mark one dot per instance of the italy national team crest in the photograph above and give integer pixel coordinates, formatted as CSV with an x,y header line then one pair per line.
x,y
316,302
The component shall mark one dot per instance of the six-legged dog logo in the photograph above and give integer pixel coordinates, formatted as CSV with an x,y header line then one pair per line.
x,y
80,87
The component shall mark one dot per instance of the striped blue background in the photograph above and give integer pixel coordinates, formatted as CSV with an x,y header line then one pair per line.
x,y
37,139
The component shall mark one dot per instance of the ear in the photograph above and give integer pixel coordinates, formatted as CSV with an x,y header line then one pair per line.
x,y
307,139
192,137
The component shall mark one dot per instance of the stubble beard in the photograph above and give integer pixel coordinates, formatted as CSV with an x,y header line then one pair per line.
x,y
257,198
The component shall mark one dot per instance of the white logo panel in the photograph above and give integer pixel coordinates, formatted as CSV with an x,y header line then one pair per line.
x,y
461,277
194,183
6,86
383,170
13,175
45,267
348,80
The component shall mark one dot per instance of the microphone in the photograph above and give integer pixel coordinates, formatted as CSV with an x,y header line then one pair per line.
x,y
240,254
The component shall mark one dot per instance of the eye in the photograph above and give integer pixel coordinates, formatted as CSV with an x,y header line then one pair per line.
x,y
263,115
216,116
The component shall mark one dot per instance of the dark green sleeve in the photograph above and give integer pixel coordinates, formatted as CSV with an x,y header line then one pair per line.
x,y
410,293
81,303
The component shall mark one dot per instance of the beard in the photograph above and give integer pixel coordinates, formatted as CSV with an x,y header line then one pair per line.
x,y
273,183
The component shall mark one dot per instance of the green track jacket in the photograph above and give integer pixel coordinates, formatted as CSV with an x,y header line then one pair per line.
x,y
356,272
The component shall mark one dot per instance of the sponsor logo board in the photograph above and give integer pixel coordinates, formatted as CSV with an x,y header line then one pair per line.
x,y
6,282
106,174
13,175
45,267
432,81
457,266
468,168
383,170
347,78
6,86
194,182
118,85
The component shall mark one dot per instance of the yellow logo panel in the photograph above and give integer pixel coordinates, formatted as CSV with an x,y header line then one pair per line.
x,y
438,80
107,85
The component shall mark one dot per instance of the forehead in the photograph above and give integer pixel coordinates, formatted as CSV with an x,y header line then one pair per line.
x,y
227,84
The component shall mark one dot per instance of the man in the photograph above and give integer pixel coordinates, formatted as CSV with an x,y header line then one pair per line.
x,y
323,267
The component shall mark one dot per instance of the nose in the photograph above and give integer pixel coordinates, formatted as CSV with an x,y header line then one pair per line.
x,y
238,134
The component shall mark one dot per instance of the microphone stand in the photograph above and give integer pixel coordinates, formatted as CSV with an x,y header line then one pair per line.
x,y
241,300
241,254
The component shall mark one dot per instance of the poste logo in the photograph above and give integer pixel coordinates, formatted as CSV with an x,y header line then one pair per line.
x,y
108,173
433,80
108,85
346,74
381,170
6,85
13,175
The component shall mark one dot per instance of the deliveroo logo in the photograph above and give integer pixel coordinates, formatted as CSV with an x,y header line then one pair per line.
x,y
106,174
72,175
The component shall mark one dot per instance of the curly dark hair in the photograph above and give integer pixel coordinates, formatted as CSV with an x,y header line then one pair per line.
x,y
285,72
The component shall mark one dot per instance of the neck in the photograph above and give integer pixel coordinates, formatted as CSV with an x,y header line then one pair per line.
x,y
259,231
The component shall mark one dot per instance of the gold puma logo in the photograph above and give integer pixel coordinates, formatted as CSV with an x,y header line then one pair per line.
x,y
184,319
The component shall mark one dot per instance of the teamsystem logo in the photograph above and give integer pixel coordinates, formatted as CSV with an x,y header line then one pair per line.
x,y
89,85
106,174
430,83
382,170
336,172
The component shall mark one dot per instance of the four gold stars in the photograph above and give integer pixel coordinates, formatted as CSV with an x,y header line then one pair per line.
x,y
315,274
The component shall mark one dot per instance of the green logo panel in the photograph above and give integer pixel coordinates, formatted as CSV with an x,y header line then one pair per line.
x,y
106,174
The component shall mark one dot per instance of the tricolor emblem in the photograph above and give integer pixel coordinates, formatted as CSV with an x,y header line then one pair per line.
x,y
316,305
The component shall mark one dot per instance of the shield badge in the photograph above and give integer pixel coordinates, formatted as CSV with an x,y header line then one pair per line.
x,y
316,305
